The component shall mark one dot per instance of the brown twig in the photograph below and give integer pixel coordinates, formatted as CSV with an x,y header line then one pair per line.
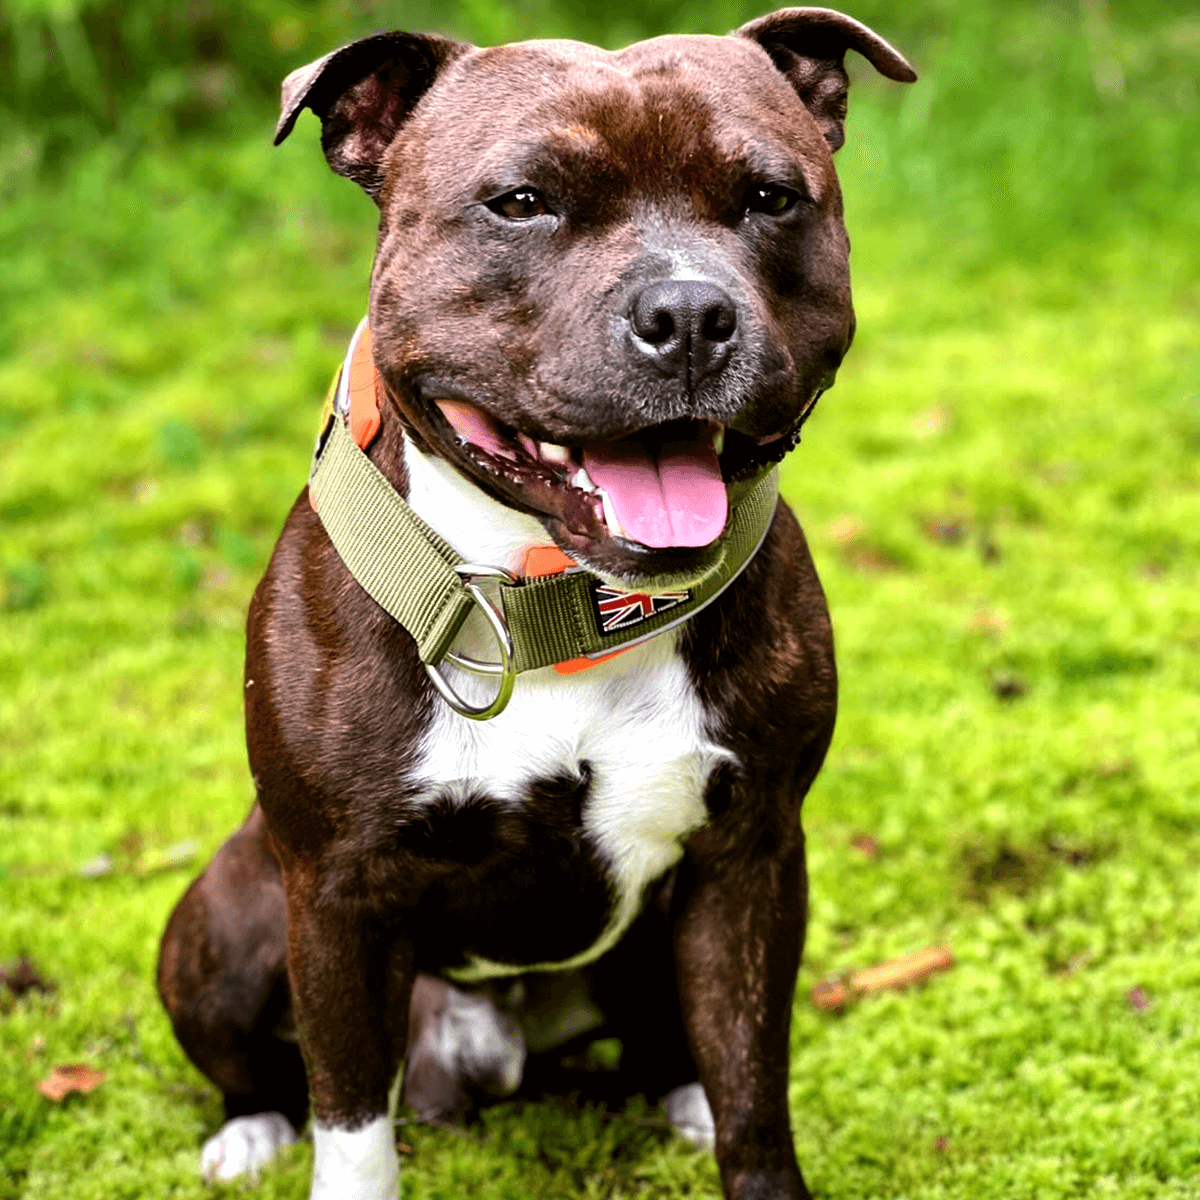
x,y
895,973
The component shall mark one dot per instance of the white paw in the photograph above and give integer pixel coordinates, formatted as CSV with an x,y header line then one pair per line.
x,y
244,1146
355,1164
479,1044
689,1114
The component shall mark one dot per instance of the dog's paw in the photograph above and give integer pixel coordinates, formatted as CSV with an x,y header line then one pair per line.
x,y
244,1146
355,1164
690,1117
485,1044
465,1045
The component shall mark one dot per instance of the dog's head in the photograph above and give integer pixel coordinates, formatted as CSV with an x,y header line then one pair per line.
x,y
609,285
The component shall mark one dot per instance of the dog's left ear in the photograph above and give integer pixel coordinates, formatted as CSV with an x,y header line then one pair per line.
x,y
808,46
363,94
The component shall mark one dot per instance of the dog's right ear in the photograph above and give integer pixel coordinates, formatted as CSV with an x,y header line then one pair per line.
x,y
363,93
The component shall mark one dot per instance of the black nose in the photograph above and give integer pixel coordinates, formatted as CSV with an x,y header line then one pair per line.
x,y
687,326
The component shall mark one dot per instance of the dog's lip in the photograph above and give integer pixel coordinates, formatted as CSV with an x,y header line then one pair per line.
x,y
741,455
556,480
551,478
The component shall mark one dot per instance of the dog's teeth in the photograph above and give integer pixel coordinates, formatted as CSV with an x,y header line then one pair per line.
x,y
582,480
610,516
718,439
558,455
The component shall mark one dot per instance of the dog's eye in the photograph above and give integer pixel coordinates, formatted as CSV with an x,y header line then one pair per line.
x,y
521,204
773,199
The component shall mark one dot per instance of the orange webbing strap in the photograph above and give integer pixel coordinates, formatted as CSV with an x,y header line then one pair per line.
x,y
364,390
362,394
550,560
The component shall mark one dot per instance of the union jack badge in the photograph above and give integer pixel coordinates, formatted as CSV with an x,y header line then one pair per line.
x,y
622,610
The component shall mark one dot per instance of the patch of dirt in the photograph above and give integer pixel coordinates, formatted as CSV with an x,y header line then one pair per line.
x,y
1001,867
1015,869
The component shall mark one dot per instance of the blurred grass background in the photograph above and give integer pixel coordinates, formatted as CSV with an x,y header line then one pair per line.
x,y
1002,495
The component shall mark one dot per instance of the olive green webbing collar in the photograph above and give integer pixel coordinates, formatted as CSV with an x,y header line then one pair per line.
x,y
414,575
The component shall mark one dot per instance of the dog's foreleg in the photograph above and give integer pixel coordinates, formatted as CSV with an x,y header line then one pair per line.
x,y
351,986
738,935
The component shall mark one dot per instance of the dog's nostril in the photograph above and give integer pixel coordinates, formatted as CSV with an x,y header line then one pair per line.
x,y
651,319
720,323
658,329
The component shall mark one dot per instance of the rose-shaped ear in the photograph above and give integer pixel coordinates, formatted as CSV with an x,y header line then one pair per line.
x,y
363,94
809,44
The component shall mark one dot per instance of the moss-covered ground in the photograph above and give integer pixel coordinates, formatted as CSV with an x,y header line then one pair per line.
x,y
1003,497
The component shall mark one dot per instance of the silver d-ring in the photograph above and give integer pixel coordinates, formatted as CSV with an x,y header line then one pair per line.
x,y
505,669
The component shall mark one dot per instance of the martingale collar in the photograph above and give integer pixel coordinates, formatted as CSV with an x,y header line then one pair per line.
x,y
557,615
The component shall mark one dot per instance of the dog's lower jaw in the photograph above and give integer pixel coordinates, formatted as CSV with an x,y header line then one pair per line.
x,y
361,1163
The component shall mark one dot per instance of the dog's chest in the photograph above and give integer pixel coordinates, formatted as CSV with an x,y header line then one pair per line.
x,y
632,728
591,781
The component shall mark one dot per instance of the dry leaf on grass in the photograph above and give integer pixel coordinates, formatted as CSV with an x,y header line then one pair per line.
x,y
874,559
74,1077
931,422
988,620
1138,999
846,529
947,530
896,973
1009,686
22,976
866,845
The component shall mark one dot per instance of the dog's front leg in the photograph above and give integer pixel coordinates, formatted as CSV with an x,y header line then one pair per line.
x,y
351,985
738,935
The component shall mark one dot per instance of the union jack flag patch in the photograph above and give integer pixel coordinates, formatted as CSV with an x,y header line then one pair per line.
x,y
622,610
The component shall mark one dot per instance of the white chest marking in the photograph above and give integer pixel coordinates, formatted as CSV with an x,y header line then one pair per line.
x,y
635,719
481,529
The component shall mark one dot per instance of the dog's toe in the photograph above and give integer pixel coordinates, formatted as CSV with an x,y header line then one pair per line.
x,y
244,1146
690,1116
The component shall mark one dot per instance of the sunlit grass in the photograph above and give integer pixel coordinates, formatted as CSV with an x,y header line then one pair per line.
x,y
1002,497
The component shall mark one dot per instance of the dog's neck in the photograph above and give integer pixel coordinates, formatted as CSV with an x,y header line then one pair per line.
x,y
481,529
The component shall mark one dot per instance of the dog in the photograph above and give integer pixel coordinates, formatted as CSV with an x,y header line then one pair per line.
x,y
540,670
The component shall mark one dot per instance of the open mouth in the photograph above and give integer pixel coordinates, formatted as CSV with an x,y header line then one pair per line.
x,y
663,487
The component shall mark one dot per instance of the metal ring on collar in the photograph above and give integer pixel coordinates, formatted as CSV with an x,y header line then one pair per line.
x,y
505,669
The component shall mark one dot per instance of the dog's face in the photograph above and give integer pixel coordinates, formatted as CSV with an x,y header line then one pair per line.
x,y
609,285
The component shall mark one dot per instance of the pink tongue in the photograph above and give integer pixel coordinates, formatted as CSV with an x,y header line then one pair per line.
x,y
677,501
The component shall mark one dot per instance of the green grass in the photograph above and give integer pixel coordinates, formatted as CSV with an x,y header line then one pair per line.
x,y
1003,498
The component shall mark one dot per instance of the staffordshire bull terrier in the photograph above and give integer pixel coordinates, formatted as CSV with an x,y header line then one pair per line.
x,y
540,670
